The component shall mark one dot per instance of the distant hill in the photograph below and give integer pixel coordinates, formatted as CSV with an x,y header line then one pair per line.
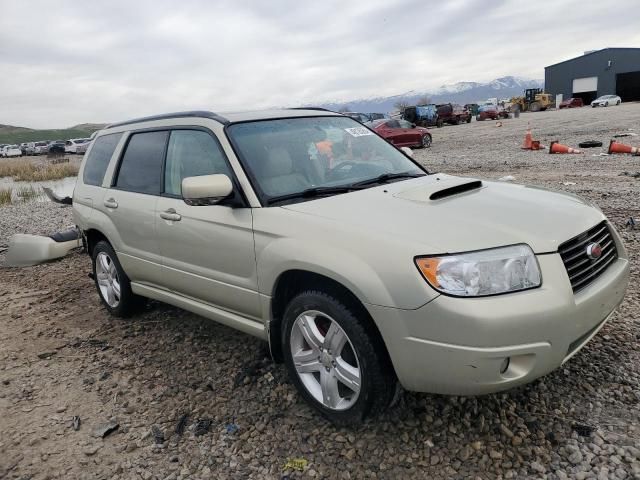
x,y
12,134
461,92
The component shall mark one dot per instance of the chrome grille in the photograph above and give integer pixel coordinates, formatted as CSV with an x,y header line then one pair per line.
x,y
583,270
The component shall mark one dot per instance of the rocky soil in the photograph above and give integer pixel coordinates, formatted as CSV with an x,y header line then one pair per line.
x,y
168,395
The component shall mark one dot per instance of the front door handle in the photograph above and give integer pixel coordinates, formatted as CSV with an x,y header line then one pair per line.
x,y
170,214
111,203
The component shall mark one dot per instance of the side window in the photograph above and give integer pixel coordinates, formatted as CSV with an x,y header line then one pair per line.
x,y
141,166
191,153
393,124
99,157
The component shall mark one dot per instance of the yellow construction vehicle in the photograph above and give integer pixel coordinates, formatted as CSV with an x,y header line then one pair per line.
x,y
534,100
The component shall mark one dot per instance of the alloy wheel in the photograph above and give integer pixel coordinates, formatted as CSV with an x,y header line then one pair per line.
x,y
325,360
108,280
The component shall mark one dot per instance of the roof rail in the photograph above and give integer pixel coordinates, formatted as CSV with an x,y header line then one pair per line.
x,y
320,109
166,116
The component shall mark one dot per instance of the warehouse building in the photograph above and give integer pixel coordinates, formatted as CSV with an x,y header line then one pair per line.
x,y
610,71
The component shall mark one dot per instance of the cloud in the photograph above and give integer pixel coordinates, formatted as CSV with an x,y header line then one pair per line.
x,y
107,61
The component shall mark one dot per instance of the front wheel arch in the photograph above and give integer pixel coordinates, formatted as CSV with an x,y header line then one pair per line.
x,y
291,283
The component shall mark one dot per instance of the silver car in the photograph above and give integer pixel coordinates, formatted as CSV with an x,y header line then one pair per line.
x,y
606,100
361,269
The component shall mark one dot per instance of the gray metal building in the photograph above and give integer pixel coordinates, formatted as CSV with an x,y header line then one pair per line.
x,y
610,71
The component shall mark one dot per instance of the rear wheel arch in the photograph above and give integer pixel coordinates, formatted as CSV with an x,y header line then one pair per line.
x,y
291,283
93,236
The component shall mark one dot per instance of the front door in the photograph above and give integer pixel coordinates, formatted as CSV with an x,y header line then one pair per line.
x,y
207,251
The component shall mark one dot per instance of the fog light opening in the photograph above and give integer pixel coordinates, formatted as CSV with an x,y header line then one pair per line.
x,y
505,365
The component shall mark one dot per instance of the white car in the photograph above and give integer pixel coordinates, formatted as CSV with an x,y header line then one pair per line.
x,y
606,100
71,145
41,148
11,151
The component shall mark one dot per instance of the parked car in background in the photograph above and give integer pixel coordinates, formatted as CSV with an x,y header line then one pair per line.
x,y
11,151
23,148
422,115
360,117
71,145
606,100
56,147
377,116
453,114
401,133
572,102
41,148
487,112
31,148
83,147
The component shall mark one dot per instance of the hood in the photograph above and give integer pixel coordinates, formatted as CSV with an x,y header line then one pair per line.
x,y
446,214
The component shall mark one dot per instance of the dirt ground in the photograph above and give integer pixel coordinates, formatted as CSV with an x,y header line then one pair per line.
x,y
194,399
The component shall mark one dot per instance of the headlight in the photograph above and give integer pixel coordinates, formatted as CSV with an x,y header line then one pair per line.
x,y
485,272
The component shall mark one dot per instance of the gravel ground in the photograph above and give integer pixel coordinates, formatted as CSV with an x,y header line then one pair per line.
x,y
194,399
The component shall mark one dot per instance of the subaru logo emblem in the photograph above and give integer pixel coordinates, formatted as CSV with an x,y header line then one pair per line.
x,y
594,251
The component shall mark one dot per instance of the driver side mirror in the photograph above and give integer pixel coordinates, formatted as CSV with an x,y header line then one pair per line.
x,y
413,125
206,189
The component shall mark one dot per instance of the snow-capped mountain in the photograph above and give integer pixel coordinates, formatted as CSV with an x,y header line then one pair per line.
x,y
461,92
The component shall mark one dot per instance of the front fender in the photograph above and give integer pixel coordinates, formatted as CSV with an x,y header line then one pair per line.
x,y
284,254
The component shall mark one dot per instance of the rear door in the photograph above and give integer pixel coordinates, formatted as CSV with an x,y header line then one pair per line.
x,y
130,204
207,250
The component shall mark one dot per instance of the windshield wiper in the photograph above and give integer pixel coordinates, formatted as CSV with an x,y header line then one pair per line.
x,y
385,177
312,192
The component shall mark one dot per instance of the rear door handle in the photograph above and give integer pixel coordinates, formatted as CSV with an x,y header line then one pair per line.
x,y
111,203
170,214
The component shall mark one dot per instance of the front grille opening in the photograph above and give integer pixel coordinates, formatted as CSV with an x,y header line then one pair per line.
x,y
581,269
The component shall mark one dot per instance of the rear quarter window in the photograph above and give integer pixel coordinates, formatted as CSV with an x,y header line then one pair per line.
x,y
99,157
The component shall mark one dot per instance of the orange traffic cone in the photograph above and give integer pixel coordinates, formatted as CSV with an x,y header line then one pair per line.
x,y
527,140
556,147
616,147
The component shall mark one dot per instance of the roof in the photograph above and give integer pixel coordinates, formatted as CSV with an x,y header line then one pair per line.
x,y
592,53
231,117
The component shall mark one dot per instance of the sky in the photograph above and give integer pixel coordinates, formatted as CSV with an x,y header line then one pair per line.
x,y
69,62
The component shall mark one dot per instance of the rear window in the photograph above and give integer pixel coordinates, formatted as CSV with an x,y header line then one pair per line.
x,y
99,157
141,166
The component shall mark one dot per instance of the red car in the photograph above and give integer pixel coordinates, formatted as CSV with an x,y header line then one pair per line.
x,y
401,133
571,103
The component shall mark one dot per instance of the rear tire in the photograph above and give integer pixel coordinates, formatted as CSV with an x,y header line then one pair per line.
x,y
618,102
337,364
112,284
439,123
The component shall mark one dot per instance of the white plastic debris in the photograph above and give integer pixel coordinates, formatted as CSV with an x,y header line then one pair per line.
x,y
507,178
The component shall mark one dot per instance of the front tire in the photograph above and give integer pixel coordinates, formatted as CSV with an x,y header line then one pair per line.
x,y
337,364
112,283
426,141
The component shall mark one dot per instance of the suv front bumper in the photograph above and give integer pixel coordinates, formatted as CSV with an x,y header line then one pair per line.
x,y
460,346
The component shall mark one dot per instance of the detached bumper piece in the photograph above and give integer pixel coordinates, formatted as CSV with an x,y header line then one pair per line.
x,y
25,250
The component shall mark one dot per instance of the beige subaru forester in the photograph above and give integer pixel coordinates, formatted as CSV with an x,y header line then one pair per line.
x,y
360,268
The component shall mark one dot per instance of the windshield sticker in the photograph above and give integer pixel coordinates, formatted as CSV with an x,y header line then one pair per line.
x,y
358,131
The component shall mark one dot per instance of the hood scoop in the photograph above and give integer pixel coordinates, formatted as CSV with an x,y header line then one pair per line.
x,y
455,189
438,187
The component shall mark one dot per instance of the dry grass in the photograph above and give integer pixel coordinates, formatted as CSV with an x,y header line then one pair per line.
x,y
22,171
5,195
28,193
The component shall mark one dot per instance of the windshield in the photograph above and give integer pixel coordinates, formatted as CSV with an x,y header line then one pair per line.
x,y
291,155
